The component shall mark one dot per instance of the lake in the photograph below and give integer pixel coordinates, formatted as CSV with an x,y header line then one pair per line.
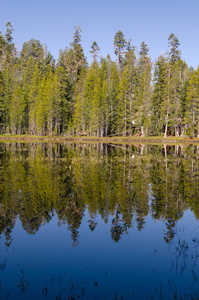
x,y
99,221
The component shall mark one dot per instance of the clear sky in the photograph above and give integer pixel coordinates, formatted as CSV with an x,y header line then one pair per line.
x,y
152,21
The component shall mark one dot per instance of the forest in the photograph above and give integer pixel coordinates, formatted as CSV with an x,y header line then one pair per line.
x,y
130,96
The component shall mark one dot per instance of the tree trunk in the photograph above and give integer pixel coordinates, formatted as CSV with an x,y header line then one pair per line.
x,y
142,130
166,127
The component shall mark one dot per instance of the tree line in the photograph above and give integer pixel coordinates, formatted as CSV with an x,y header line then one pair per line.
x,y
129,96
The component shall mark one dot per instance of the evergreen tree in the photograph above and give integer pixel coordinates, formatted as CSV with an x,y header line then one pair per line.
x,y
124,118
119,46
143,91
174,52
192,99
78,58
159,94
33,48
17,109
80,106
176,73
40,108
7,86
95,51
65,95
113,86
32,99
10,51
2,51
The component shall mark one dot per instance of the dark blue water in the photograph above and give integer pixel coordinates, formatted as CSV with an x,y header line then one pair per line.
x,y
66,240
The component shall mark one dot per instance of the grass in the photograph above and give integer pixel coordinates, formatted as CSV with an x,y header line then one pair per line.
x,y
114,140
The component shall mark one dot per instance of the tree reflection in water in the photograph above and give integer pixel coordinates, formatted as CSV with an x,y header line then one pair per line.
x,y
39,180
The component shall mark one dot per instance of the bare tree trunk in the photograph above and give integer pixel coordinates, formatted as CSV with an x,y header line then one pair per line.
x,y
166,127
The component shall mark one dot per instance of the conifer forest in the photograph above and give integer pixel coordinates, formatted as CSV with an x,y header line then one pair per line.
x,y
131,95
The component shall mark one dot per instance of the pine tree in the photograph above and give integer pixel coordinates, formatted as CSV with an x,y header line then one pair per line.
x,y
78,53
40,108
95,51
57,103
174,52
80,106
192,113
91,99
7,79
27,82
143,91
113,86
49,102
104,109
95,122
159,94
66,103
33,48
124,118
2,51
176,73
17,109
32,93
10,51
119,46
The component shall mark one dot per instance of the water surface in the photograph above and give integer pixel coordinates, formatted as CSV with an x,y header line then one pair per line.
x,y
96,221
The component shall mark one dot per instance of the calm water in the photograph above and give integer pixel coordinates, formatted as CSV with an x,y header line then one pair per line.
x,y
99,221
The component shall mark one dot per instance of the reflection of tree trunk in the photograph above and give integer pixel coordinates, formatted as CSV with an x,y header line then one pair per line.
x,y
124,165
176,149
106,149
101,148
198,129
182,147
142,149
197,159
165,151
166,184
197,150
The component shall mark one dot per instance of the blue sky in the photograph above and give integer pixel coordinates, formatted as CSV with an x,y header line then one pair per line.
x,y
151,21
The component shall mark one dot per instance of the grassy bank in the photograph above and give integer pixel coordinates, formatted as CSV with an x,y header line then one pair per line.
x,y
114,140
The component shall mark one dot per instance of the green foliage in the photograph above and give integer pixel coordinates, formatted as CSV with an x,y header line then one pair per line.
x,y
119,46
159,95
192,104
37,180
94,51
103,99
38,52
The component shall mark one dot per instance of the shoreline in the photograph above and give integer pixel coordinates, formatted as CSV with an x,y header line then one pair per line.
x,y
112,140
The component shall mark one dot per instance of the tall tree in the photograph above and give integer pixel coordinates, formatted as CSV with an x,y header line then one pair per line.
x,y
78,53
33,48
95,51
143,91
10,50
119,46
124,117
192,100
160,82
174,52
